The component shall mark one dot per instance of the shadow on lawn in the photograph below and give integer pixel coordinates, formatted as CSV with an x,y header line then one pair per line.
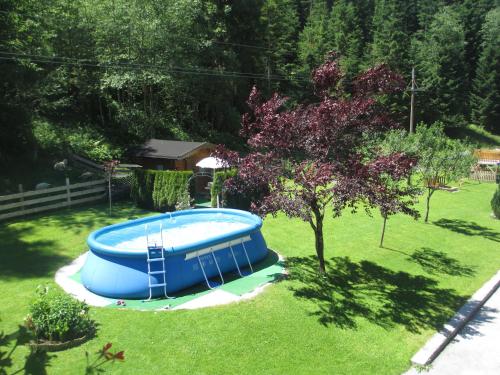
x,y
88,218
468,228
438,262
351,290
36,362
25,259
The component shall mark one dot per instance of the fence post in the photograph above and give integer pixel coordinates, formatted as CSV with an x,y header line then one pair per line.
x,y
21,191
68,192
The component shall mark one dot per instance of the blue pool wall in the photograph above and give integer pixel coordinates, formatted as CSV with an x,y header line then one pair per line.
x,y
116,273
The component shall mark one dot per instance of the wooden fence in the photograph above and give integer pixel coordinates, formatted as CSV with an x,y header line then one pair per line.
x,y
484,175
30,202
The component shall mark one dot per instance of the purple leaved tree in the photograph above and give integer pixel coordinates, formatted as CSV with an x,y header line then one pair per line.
x,y
305,159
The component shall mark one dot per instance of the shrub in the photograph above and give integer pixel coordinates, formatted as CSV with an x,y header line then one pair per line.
x,y
232,199
495,203
56,316
169,187
183,201
141,189
218,184
160,190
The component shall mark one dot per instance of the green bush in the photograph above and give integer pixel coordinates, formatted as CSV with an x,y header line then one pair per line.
x,y
218,184
142,186
495,203
160,190
231,199
56,316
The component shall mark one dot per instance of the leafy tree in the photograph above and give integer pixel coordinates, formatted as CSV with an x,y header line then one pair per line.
x,y
440,61
485,100
309,157
397,195
441,159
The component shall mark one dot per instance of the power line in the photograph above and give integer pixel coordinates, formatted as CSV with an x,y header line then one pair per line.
x,y
62,60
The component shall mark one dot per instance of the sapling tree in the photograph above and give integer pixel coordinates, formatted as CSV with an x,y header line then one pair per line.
x,y
441,159
303,159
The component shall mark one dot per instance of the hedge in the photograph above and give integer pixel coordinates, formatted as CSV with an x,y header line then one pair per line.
x,y
159,190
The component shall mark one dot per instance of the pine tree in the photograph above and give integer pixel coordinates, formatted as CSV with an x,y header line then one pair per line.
x,y
440,57
390,34
281,23
345,36
472,14
426,9
313,40
485,100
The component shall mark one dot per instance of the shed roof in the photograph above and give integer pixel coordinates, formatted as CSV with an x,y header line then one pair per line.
x,y
167,149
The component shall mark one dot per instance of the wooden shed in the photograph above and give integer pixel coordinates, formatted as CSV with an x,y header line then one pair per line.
x,y
162,154
172,155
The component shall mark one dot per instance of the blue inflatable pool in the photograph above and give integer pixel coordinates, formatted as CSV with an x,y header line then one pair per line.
x,y
162,254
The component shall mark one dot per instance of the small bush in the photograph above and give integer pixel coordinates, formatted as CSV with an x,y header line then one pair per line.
x,y
495,203
183,201
232,199
56,316
218,184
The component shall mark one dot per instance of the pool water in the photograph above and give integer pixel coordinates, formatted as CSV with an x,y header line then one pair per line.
x,y
176,232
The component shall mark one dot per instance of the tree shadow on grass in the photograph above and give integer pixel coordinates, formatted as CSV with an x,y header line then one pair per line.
x,y
351,290
84,219
438,262
36,362
469,228
20,258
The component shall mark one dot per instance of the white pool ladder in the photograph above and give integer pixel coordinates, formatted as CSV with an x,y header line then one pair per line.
x,y
242,274
156,253
210,286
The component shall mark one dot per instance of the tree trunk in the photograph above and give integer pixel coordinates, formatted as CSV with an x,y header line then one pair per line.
x,y
429,194
383,231
319,241
101,115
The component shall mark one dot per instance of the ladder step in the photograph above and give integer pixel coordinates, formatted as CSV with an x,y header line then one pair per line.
x,y
156,260
157,285
156,272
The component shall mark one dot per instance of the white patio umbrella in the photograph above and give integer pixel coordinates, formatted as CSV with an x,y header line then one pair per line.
x,y
212,163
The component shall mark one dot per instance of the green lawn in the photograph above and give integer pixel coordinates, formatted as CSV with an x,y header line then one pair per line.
x,y
371,313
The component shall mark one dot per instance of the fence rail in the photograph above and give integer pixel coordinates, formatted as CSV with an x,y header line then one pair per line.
x,y
483,175
22,203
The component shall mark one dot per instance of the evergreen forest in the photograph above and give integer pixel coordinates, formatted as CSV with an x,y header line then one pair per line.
x,y
100,76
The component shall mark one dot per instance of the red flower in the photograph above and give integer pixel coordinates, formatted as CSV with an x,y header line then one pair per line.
x,y
106,347
120,356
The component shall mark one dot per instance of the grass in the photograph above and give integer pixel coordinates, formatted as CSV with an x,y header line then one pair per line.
x,y
371,312
477,135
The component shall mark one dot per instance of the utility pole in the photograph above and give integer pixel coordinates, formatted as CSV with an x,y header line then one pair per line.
x,y
413,90
412,100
